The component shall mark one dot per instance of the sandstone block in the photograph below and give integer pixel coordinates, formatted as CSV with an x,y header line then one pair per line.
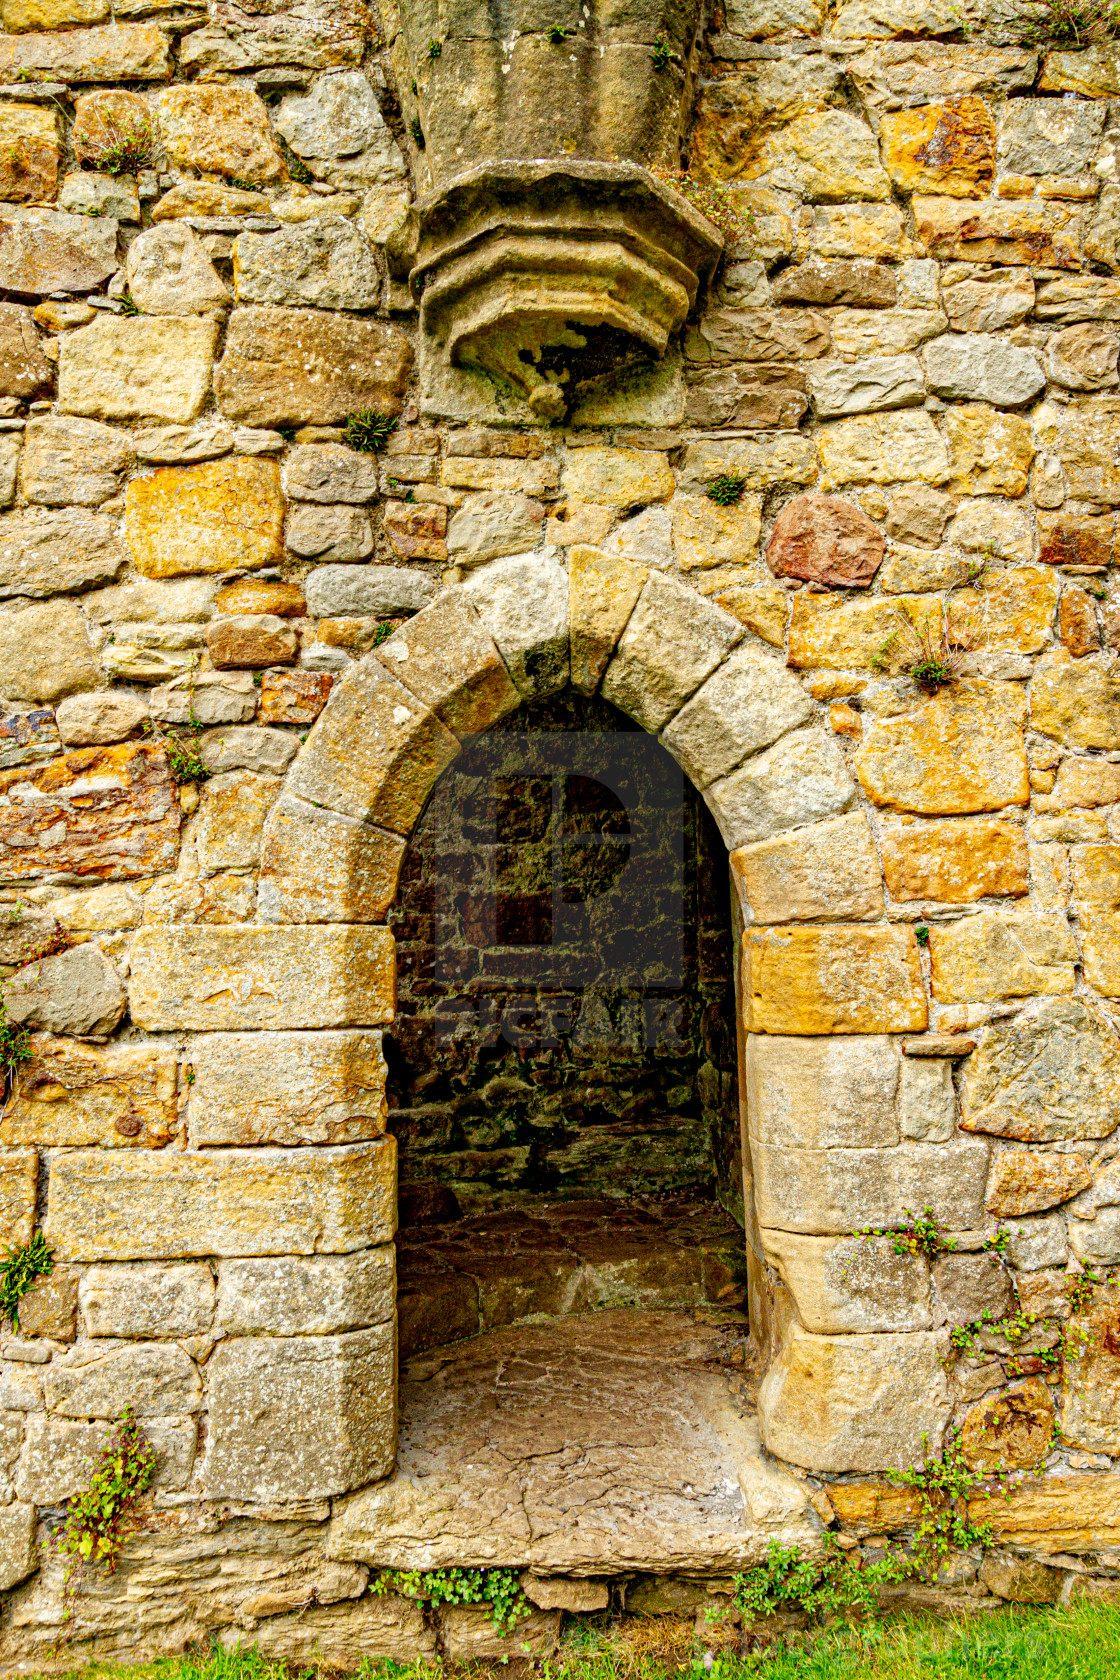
x,y
757,335
1083,358
956,862
286,1088
376,751
998,232
1077,701
148,1300
29,159
219,130
1002,954
169,273
45,250
528,473
833,980
1021,1582
232,812
617,477
832,632
1096,1242
943,148
822,1093
347,1634
95,814
294,696
51,1308
373,591
326,264
19,1179
253,639
70,1093
786,459
854,1402
1027,1181
264,751
206,697
419,533
827,872
331,533
882,449
320,866
1047,137
832,1191
298,367
155,1380
825,540
124,368
851,1284
762,608
1084,783
990,453
315,1295
865,387
1009,1431
24,370
469,1634
926,1101
963,750
523,603
19,1549
1009,609
986,301
447,659
981,367
338,118
329,472
604,590
155,1205
887,332
745,704
45,652
209,518
222,978
69,460
78,991
55,1461
301,1417
673,640
121,52
1050,1073
488,526
801,779
706,535
857,284
43,552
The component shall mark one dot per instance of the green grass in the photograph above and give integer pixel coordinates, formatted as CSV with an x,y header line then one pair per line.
x,y
1078,1644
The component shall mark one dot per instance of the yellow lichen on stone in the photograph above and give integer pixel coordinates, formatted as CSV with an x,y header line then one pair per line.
x,y
222,516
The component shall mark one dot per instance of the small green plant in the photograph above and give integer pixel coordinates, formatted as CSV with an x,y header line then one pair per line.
x,y
717,203
930,662
94,1530
1068,23
384,630
557,34
499,1588
242,185
435,48
19,1271
921,934
368,431
944,1485
15,1049
417,133
918,1234
116,147
663,54
726,490
822,1585
128,305
297,169
182,751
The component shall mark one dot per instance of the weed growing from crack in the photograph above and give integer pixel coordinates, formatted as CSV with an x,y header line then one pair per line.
x,y
500,1589
94,1530
20,1270
368,431
726,490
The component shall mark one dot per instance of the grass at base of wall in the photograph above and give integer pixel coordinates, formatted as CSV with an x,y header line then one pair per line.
x,y
1078,1644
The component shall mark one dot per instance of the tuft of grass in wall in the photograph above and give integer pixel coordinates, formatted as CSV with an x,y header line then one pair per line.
x,y
663,55
20,1270
128,305
117,147
417,133
243,185
95,1526
557,34
182,750
435,48
368,431
498,1589
1069,23
726,490
297,169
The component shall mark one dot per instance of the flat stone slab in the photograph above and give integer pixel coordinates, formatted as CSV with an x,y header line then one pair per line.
x,y
581,1446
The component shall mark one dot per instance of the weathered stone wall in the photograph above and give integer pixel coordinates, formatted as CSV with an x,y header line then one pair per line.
x,y
912,366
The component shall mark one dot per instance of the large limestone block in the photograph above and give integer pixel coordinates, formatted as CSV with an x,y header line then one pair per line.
x,y
827,632
944,148
315,37
366,591
326,263
301,1417
837,1191
833,980
148,1300
123,52
24,370
321,866
214,517
674,639
998,231
867,386
705,534
170,1205
956,862
827,872
523,603
221,130
219,979
882,449
830,157
231,818
982,367
745,704
45,652
990,453
57,1454
375,753
822,1093
962,750
1012,609
1002,954
799,780
286,1088
1077,701
76,991
94,814
851,1284
50,251
19,1189
604,590
298,367
986,302
1053,1072
308,1295
447,659
855,1402
136,368
347,1634
69,1093
170,273
883,332
156,1381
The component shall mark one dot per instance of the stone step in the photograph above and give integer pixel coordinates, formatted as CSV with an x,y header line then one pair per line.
x,y
553,1259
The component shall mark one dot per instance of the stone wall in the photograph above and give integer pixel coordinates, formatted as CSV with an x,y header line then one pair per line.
x,y
208,220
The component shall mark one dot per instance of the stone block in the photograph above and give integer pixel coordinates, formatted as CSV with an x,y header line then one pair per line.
x,y
329,472
219,979
320,866
375,753
334,533
1083,358
24,370
990,453
136,368
68,461
317,1295
1030,1181
45,652
851,1285
761,608
227,831
154,1379
825,540
374,591
854,1402
205,697
523,603
835,1191
219,130
294,696
745,704
208,518
943,148
56,1457
1050,1073
886,332
1002,954
801,779
69,1094
1077,701
169,273
49,251
420,532
826,872
300,367
962,750
998,231
986,301
488,526
469,1634
673,640
326,263
956,862
926,1100
264,751
1019,1581
882,449
1010,609
253,640
1096,1242
604,590
831,632
96,814
120,52
866,386
286,1088
1037,1243
19,1188
786,459
169,1205
76,991
148,1300
982,367
346,1635
833,980
19,1549
50,1308
446,658
301,1417
822,1093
